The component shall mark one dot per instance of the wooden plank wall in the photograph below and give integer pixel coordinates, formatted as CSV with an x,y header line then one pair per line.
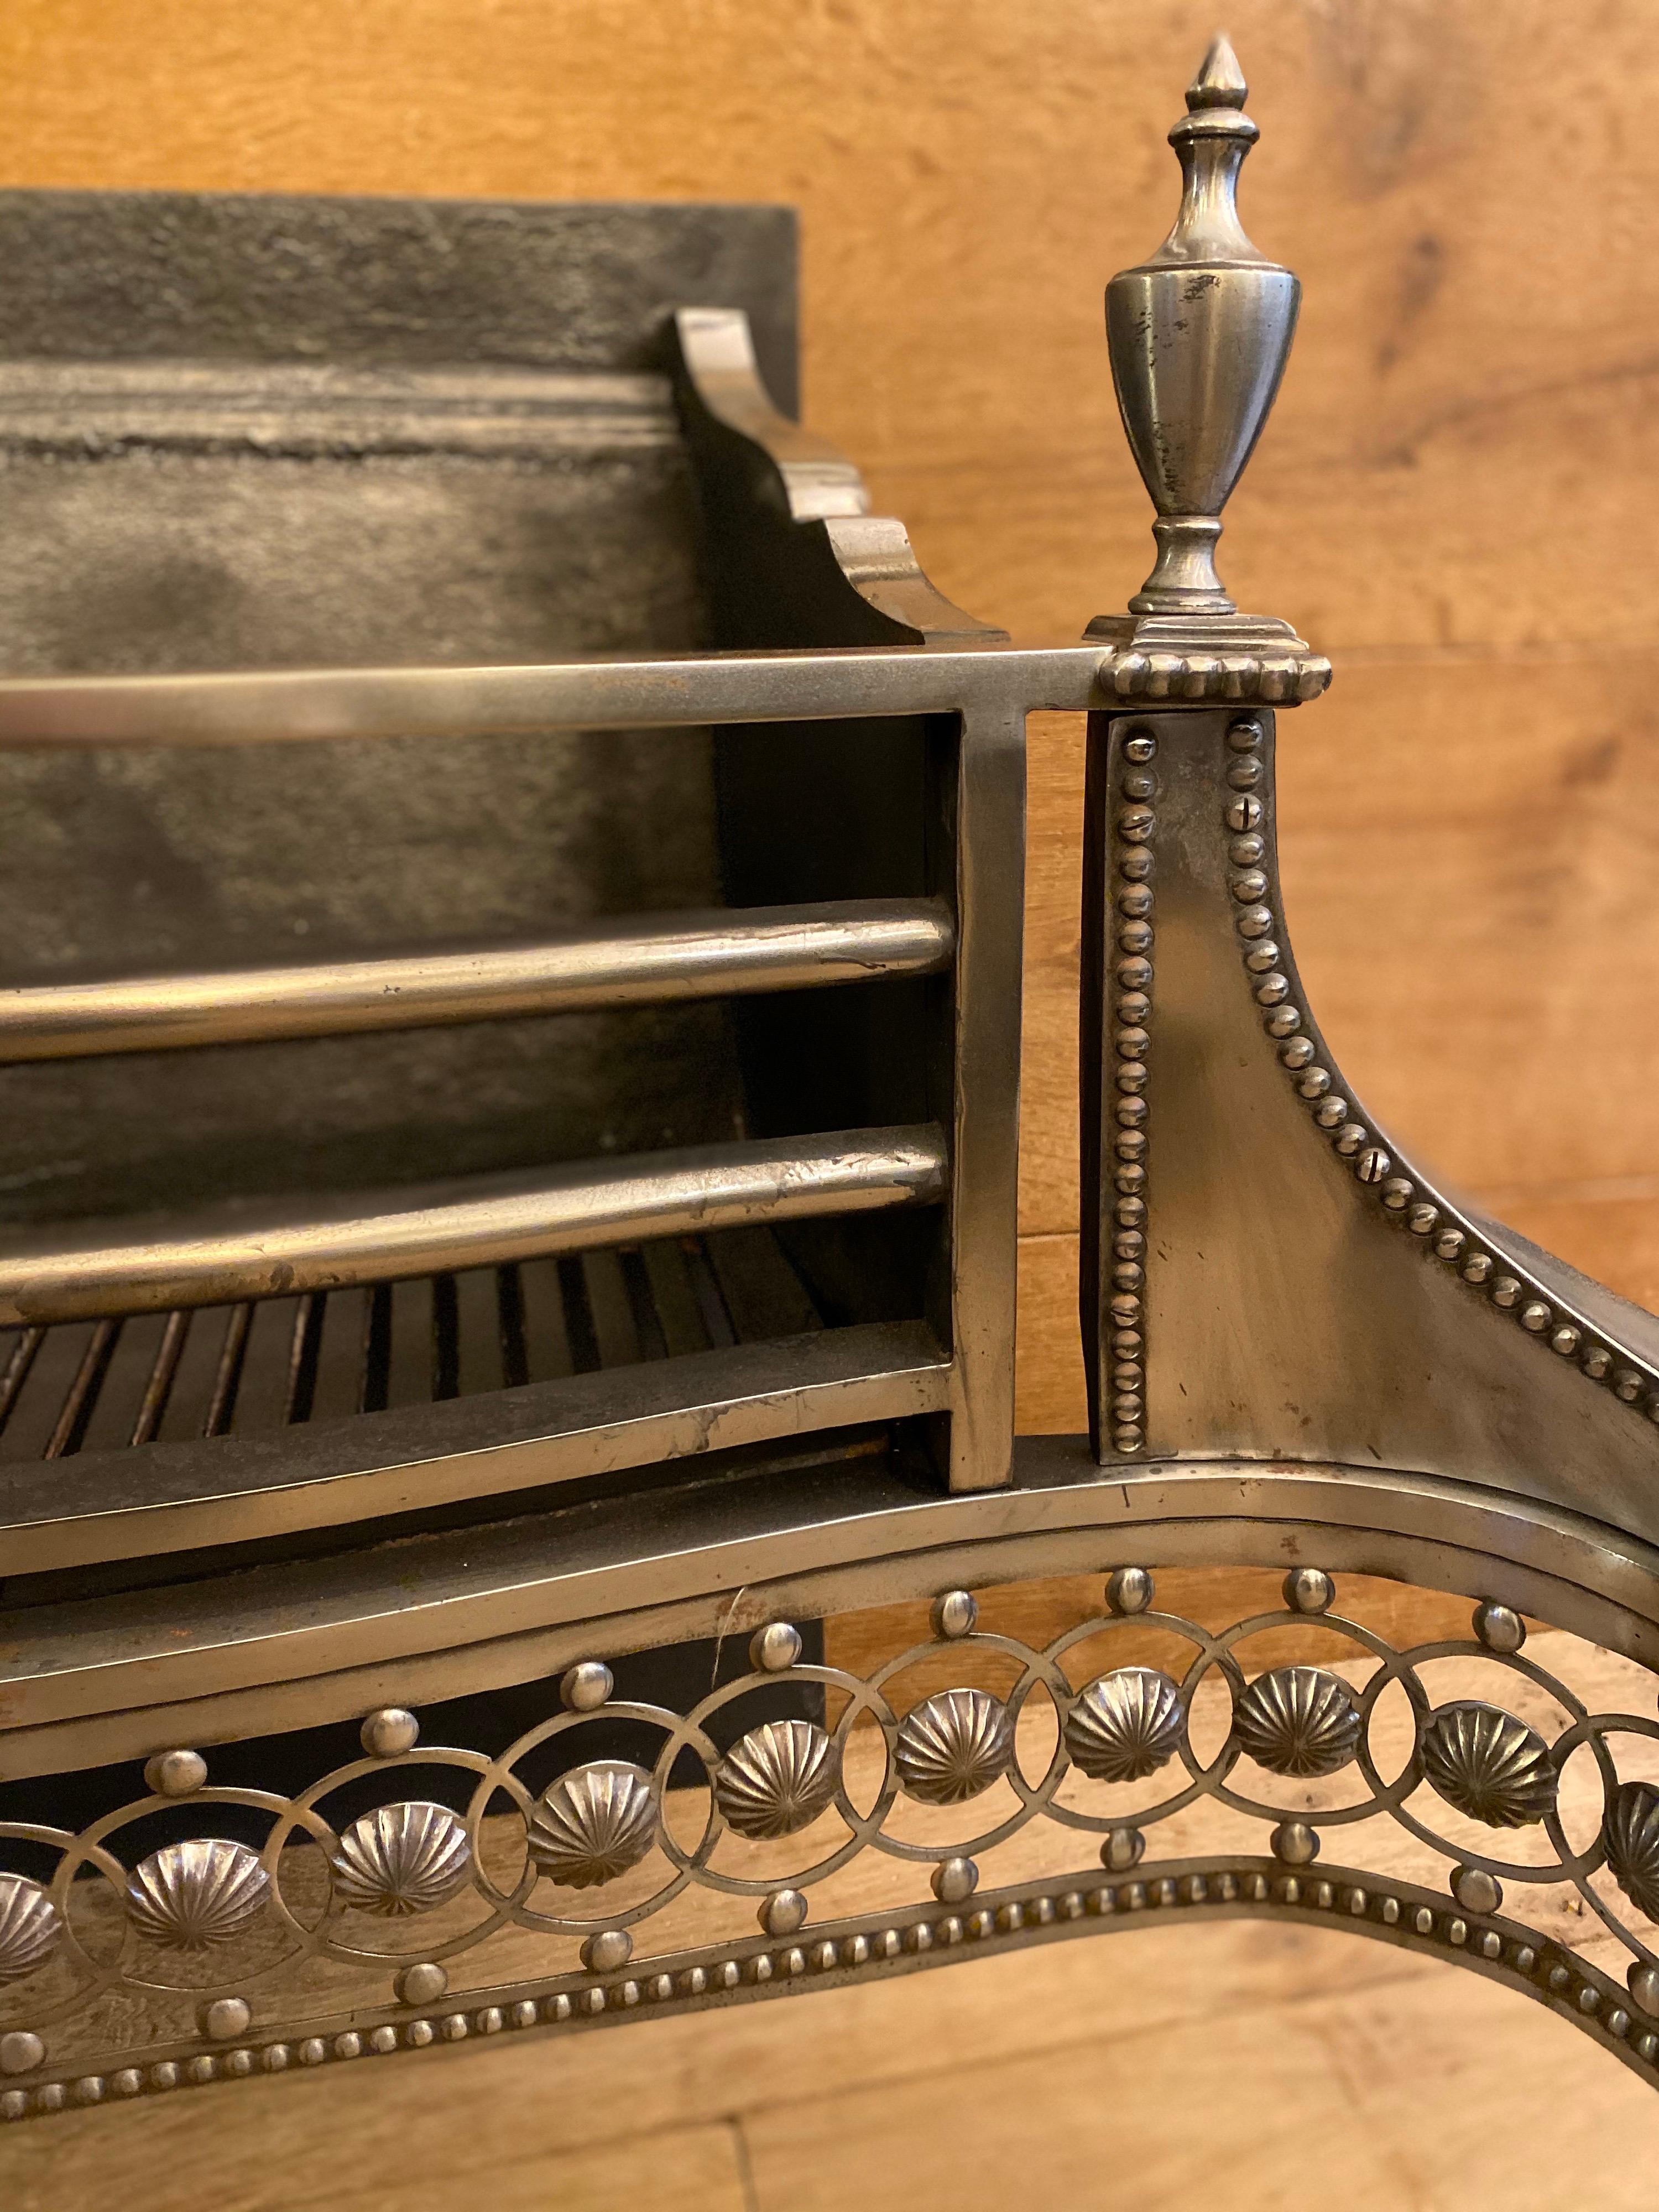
x,y
1455,499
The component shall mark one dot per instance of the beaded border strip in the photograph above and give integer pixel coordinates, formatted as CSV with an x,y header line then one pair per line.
x,y
1446,1235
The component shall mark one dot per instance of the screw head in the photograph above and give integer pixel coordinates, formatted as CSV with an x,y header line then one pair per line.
x,y
225,2018
608,1949
1373,1164
1128,1590
955,1614
775,1648
175,1773
955,1880
1476,1890
422,1983
1499,1627
389,1732
1309,1589
783,1913
1295,1843
1123,1849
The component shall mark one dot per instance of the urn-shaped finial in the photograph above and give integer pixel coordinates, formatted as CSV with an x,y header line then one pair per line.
x,y
1199,336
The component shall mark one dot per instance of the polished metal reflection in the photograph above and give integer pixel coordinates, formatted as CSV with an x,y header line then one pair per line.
x,y
115,1268
1199,336
637,963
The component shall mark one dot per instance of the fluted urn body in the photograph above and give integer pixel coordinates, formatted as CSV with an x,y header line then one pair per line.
x,y
1199,336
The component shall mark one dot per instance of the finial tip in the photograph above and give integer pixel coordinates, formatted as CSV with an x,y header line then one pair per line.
x,y
1220,81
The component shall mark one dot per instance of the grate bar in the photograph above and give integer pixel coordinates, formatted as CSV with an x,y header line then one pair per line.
x,y
643,963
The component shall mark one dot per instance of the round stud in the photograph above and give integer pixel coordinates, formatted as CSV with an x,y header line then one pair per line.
x,y
1128,1590
1397,1193
225,2018
1132,1077
1449,1244
1477,1268
1537,1317
1132,1044
954,1880
175,1773
1136,865
1143,746
586,1685
1253,921
1499,1627
1283,1022
1271,989
955,1614
1244,774
775,1648
1123,1849
1297,1053
1644,1984
1564,1340
1259,958
1128,1440
608,1949
422,1983
1505,1292
1350,1138
1133,974
1596,1362
1139,784
1295,1843
390,1732
1422,1219
1476,1890
1244,736
1627,1385
1331,1113
1309,1589
1250,887
783,1913
1246,852
1136,902
20,2052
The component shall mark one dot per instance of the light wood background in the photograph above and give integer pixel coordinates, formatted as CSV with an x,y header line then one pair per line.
x,y
1455,501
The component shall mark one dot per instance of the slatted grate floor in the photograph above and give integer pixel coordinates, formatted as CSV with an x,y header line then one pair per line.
x,y
241,1370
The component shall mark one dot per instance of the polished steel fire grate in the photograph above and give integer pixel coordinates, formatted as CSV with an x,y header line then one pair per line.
x,y
482,1446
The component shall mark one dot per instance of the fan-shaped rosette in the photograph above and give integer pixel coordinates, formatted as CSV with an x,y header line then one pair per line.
x,y
1489,1766
954,1745
30,1930
593,1824
1297,1720
193,1896
1630,1836
402,1859
775,1779
1125,1724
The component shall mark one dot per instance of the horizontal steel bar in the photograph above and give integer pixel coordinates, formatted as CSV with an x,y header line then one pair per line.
x,y
175,1497
592,695
632,963
298,1643
234,1253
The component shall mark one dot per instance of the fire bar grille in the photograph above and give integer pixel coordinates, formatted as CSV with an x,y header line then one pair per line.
x,y
263,1364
